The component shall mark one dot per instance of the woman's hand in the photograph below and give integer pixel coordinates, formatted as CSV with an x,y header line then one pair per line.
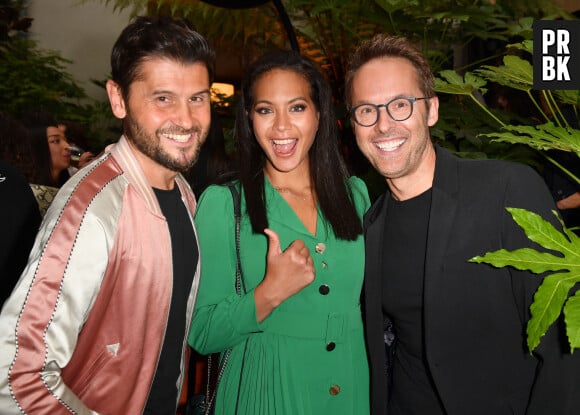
x,y
287,272
85,159
570,202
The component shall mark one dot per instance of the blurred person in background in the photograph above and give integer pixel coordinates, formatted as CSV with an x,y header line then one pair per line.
x,y
51,154
50,148
18,208
81,153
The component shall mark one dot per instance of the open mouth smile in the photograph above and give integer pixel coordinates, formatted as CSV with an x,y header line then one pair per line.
x,y
284,146
390,145
179,138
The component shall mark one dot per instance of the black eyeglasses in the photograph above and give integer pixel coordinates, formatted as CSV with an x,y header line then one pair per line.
x,y
399,109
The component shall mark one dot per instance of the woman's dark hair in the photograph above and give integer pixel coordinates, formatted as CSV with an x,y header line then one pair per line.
x,y
327,168
148,37
36,123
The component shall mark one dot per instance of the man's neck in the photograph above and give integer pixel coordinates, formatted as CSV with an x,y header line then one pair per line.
x,y
158,176
417,182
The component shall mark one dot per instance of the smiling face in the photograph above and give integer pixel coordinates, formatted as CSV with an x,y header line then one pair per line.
x,y
284,120
166,117
396,149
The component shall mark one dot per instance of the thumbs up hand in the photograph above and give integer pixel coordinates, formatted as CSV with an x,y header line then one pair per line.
x,y
287,272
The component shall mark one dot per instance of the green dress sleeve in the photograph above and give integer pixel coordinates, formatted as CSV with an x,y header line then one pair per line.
x,y
360,195
221,318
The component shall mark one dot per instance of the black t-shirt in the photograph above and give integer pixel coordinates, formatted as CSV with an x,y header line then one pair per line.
x,y
163,396
407,223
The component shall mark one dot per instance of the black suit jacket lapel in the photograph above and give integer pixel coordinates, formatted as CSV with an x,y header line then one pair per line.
x,y
444,203
374,225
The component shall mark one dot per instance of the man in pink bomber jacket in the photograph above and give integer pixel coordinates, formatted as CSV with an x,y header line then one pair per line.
x,y
98,320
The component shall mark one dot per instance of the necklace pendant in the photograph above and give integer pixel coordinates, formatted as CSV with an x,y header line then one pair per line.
x,y
291,193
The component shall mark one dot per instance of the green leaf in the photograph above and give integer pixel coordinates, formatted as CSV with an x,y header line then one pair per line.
x,y
391,6
522,28
525,259
454,83
526,46
572,320
548,302
514,73
555,288
569,96
541,231
541,137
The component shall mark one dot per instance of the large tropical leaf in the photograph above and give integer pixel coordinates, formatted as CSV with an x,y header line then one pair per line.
x,y
523,27
454,83
551,298
569,96
572,318
541,137
515,73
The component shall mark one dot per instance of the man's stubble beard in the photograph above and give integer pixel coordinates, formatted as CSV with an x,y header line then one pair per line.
x,y
149,145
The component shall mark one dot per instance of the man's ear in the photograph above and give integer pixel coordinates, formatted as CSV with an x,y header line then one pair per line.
x,y
116,99
433,115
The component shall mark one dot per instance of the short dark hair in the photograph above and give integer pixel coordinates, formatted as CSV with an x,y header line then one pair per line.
x,y
327,168
385,46
149,37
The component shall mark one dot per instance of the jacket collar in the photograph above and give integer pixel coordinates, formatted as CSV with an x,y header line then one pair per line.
x,y
445,184
123,154
446,176
442,215
444,201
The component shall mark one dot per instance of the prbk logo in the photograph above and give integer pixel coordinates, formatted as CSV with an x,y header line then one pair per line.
x,y
556,54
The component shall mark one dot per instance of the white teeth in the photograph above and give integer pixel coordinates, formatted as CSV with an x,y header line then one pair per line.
x,y
283,142
180,138
389,145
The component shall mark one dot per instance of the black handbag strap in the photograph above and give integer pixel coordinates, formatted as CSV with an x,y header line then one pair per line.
x,y
240,287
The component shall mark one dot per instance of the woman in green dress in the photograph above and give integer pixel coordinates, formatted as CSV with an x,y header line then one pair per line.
x,y
296,332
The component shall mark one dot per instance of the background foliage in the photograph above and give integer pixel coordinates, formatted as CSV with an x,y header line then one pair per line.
x,y
35,79
480,49
558,253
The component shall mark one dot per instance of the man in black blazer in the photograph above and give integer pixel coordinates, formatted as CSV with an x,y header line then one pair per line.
x,y
459,327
